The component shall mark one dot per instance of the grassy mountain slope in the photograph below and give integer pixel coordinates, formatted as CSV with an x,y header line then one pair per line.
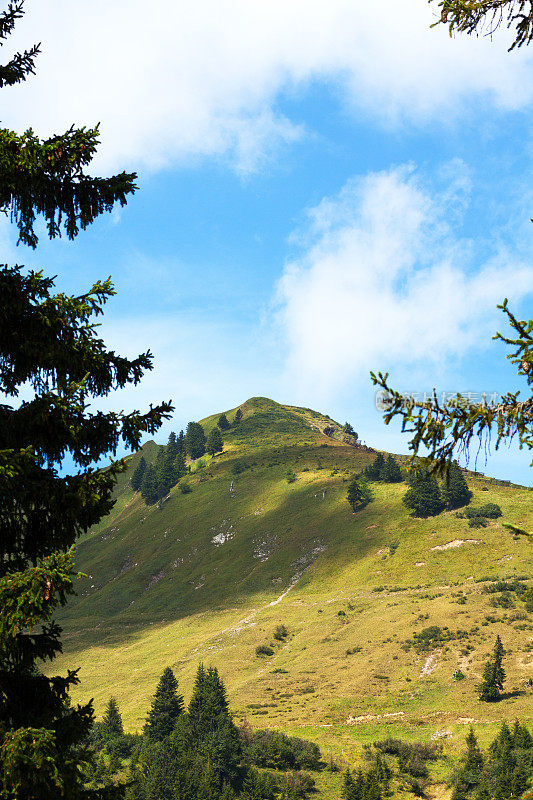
x,y
209,575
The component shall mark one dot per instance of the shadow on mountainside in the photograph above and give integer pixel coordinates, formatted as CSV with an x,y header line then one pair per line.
x,y
156,575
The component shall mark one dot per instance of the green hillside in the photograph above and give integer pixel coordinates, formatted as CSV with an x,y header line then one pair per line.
x,y
208,576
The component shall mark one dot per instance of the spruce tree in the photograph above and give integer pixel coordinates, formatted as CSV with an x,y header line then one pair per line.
x,y
223,423
201,756
158,467
149,487
455,491
470,773
521,737
112,721
504,761
211,731
199,712
348,786
172,445
499,672
424,497
179,467
165,470
214,442
473,761
493,675
138,475
166,707
46,177
238,416
373,471
359,493
195,440
391,472
488,689
49,345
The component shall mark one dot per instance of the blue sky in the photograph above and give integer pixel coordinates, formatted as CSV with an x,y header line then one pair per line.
x,y
324,189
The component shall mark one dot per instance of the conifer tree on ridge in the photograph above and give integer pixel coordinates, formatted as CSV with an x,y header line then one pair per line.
x,y
214,442
195,440
223,423
149,489
391,472
455,491
138,475
373,471
423,497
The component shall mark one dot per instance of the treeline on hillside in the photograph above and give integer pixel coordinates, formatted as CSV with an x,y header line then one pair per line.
x,y
360,493
154,481
425,496
198,752
391,764
386,471
503,772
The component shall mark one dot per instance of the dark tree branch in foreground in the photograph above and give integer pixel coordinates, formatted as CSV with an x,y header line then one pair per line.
x,y
46,177
21,64
51,354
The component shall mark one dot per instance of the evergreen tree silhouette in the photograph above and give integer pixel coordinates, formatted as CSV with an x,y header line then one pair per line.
x,y
195,440
214,442
138,475
373,471
424,497
391,472
112,721
179,467
149,490
223,423
51,346
455,491
172,445
469,775
166,707
359,493
493,676
211,731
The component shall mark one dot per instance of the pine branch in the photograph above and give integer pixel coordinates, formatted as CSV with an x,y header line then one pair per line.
x,y
486,16
8,18
20,66
443,430
28,597
46,178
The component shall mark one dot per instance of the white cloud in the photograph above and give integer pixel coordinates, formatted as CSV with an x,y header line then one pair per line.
x,y
183,79
382,283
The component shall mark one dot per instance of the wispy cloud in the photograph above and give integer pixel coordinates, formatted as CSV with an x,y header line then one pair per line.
x,y
383,282
194,79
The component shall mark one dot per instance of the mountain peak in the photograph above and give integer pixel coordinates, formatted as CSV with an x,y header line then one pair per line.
x,y
265,419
